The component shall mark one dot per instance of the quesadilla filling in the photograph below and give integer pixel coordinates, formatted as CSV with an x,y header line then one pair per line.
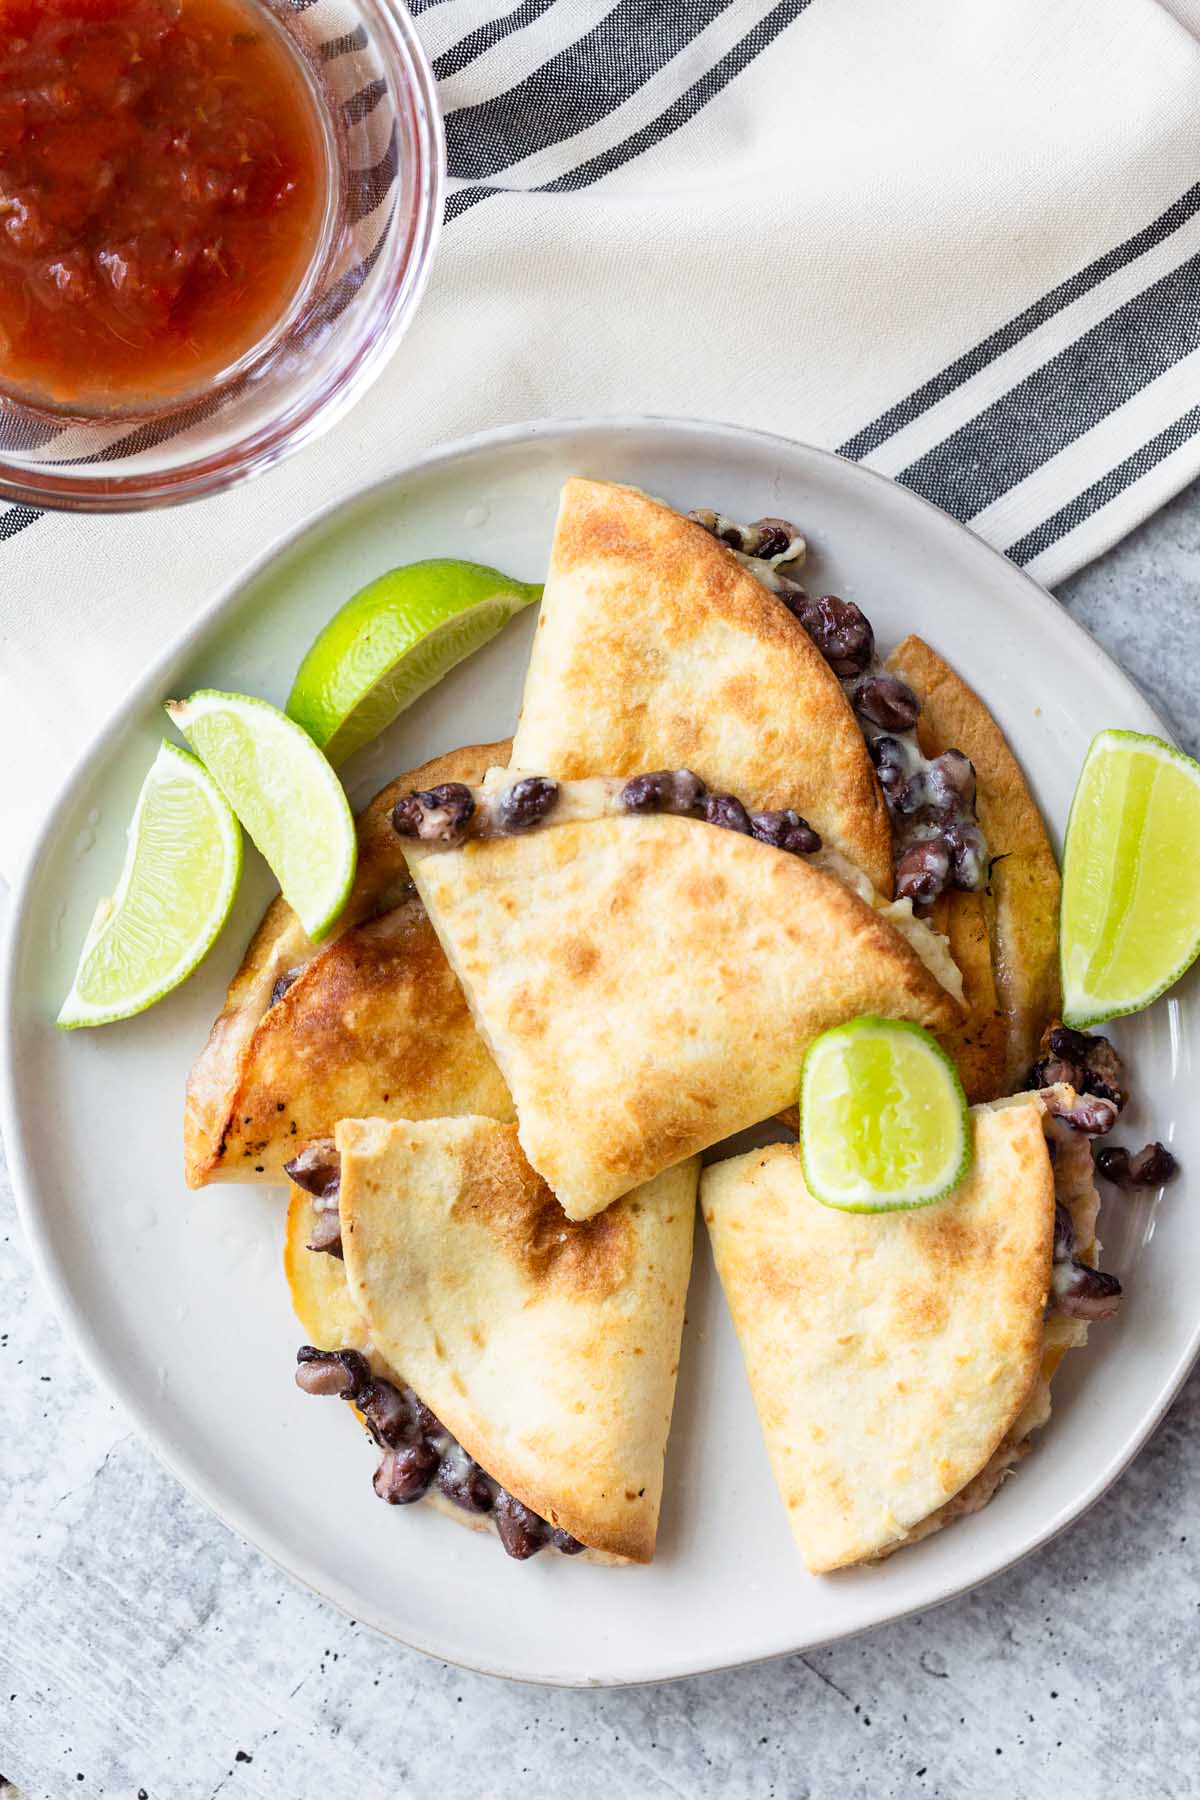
x,y
936,836
446,816
419,1453
1089,1064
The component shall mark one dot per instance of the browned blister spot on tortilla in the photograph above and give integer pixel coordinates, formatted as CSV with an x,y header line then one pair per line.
x,y
500,1190
579,956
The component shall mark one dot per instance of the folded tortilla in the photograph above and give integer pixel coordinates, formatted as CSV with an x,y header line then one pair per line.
x,y
373,1023
549,1349
899,1361
655,648
1005,938
648,984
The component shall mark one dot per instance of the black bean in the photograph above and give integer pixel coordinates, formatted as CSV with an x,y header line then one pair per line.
x,y
526,803
1085,1293
923,870
1052,1073
388,1414
1113,1163
438,815
968,855
1089,1113
341,1372
428,1424
891,759
284,983
952,783
785,830
562,1540
663,790
841,632
914,796
405,1474
326,1232
886,700
765,538
1072,1046
522,1531
1151,1167
725,811
1064,1231
317,1169
462,1480
769,537
1104,1072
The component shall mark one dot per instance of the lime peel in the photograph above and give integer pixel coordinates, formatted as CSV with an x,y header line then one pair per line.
x,y
181,872
1130,925
884,1123
285,793
393,641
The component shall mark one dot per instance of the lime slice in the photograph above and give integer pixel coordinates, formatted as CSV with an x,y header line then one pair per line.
x,y
284,792
1131,877
181,873
883,1118
395,640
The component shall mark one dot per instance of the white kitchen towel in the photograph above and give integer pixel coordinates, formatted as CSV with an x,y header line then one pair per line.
x,y
958,240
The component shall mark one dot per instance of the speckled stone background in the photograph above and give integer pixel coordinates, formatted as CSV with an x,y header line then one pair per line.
x,y
145,1652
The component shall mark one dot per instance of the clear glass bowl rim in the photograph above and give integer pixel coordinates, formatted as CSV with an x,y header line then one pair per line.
x,y
314,410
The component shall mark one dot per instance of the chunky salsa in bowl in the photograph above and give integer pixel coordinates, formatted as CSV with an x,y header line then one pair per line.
x,y
215,218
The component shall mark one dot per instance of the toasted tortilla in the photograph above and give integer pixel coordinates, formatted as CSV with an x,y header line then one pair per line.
x,y
549,1349
374,1024
648,984
331,1321
1005,940
893,1357
655,648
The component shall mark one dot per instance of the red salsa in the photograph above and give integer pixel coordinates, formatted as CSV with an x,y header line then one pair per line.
x,y
163,176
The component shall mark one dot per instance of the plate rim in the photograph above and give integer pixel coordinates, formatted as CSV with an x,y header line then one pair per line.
x,y
78,1327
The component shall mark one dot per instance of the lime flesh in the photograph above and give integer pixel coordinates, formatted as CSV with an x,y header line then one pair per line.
x,y
392,642
883,1118
284,792
1131,877
181,872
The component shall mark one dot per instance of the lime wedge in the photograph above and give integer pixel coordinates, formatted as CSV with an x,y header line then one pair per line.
x,y
883,1118
284,792
1131,877
395,640
181,873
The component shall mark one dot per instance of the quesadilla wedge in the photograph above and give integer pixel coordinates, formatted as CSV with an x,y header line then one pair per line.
x,y
899,1361
545,1351
648,982
655,646
370,1022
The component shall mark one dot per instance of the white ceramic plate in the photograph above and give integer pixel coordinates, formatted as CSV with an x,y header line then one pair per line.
x,y
178,1299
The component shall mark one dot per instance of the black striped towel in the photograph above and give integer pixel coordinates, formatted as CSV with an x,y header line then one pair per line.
x,y
958,240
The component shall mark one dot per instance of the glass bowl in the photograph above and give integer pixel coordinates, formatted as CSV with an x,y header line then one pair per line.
x,y
387,156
